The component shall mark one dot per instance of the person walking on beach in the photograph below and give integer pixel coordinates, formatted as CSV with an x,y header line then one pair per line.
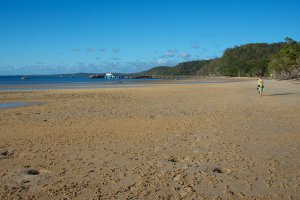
x,y
260,85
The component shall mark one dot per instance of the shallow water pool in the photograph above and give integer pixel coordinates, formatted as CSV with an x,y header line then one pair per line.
x,y
15,104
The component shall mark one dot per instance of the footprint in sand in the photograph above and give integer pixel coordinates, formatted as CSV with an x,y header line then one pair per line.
x,y
30,172
4,153
173,160
218,170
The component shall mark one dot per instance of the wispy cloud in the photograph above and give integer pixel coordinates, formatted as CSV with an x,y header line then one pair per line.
x,y
115,50
170,53
184,55
160,61
195,45
166,62
80,63
16,67
113,64
91,50
174,50
44,69
101,49
40,62
115,59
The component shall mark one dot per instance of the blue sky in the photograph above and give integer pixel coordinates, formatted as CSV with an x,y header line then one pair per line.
x,y
69,36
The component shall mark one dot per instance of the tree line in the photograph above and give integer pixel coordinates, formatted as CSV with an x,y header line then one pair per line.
x,y
281,60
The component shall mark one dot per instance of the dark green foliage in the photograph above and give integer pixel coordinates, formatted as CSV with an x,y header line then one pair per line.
x,y
287,59
182,69
248,60
190,68
211,68
160,70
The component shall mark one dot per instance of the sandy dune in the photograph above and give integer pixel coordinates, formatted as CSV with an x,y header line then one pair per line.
x,y
166,141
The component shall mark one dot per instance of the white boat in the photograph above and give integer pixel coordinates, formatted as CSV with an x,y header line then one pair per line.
x,y
24,77
109,76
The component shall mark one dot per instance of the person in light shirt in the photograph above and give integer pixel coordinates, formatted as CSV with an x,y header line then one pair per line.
x,y
260,85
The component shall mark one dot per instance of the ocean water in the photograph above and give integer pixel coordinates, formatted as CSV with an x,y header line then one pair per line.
x,y
17,80
8,83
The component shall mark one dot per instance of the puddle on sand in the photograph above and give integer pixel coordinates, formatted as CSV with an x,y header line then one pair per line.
x,y
15,104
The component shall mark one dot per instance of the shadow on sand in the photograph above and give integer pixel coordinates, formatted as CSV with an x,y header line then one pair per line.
x,y
280,94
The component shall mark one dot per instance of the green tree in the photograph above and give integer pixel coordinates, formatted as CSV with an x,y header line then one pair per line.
x,y
248,60
287,59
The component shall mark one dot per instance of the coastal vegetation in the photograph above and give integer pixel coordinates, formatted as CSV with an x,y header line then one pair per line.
x,y
182,69
281,60
286,62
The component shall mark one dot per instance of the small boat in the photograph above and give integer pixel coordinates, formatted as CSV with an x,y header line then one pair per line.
x,y
97,76
24,77
109,76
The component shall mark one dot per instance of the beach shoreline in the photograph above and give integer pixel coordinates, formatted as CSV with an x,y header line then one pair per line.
x,y
19,85
170,140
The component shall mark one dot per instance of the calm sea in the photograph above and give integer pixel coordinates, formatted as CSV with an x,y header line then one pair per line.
x,y
8,83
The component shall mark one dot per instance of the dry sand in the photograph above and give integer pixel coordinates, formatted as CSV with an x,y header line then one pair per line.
x,y
165,141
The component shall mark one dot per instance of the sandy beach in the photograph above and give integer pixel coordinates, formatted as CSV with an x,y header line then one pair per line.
x,y
162,141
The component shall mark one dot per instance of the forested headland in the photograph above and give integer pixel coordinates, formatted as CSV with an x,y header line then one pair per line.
x,y
278,60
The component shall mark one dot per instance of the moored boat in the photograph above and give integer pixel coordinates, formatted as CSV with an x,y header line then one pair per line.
x,y
109,76
97,76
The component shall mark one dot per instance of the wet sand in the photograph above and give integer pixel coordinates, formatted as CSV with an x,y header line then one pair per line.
x,y
163,141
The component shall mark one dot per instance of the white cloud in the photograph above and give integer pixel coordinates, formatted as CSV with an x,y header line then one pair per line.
x,y
160,61
184,55
174,50
168,54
